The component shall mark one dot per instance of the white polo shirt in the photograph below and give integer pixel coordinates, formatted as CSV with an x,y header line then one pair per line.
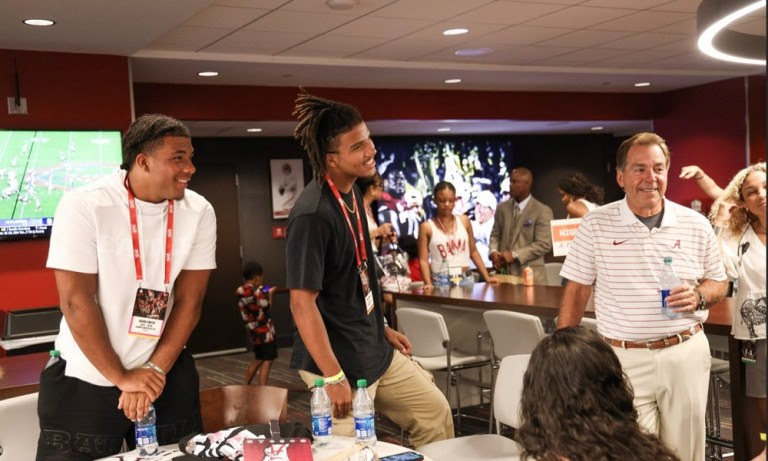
x,y
622,258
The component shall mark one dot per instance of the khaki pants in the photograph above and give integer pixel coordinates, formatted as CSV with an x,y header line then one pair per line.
x,y
407,395
670,387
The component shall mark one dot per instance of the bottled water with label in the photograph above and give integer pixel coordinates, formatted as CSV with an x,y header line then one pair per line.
x,y
55,355
668,280
443,274
146,434
362,409
320,407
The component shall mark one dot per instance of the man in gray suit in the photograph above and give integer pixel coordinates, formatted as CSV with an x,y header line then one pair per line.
x,y
521,235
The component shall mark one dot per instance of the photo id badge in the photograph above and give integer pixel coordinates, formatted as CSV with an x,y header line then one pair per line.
x,y
148,313
367,293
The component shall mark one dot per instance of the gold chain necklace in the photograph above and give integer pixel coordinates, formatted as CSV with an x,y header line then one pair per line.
x,y
354,204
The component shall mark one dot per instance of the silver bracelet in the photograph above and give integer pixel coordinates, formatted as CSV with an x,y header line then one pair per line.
x,y
152,366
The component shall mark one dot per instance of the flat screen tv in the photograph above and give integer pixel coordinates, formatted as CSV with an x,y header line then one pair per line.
x,y
38,166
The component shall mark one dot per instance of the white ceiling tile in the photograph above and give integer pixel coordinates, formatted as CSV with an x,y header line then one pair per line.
x,y
319,6
509,12
332,46
435,32
686,44
643,20
580,17
402,50
687,27
517,35
187,38
315,23
224,17
381,27
642,41
633,4
429,9
262,4
580,57
258,41
636,58
686,6
585,38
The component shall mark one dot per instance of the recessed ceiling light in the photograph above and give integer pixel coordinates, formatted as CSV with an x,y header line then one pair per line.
x,y
341,4
596,128
457,31
473,52
643,84
453,80
208,73
443,129
39,22
254,130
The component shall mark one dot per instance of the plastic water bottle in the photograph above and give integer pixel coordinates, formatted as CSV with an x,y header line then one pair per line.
x,y
320,407
668,280
55,355
443,274
362,409
146,433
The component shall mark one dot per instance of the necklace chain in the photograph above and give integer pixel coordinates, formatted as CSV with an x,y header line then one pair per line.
x,y
354,204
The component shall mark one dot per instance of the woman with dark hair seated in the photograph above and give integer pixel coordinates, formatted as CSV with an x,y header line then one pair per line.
x,y
577,404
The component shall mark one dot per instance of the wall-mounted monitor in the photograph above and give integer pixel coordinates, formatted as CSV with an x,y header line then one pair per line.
x,y
38,166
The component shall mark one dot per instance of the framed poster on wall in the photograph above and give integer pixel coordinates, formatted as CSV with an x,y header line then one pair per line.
x,y
287,181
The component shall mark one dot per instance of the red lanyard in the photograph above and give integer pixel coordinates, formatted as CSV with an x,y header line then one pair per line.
x,y
359,242
135,236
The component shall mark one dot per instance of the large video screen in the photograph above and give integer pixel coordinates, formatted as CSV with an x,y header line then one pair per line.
x,y
411,167
37,167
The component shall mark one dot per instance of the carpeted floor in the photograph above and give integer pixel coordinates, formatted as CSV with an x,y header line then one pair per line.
x,y
230,369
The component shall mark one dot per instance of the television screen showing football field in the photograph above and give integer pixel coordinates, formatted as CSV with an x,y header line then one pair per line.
x,y
37,167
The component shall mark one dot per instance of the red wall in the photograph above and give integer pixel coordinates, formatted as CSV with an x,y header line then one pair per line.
x,y
757,124
214,102
63,91
705,126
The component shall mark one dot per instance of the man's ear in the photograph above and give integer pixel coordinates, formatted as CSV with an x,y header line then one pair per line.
x,y
620,177
142,161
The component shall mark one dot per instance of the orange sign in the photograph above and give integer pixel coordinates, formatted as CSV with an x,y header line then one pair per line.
x,y
563,232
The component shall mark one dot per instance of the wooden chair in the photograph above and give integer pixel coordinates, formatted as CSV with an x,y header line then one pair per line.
x,y
242,404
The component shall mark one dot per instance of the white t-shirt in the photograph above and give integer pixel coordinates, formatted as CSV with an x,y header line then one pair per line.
x,y
453,248
744,257
623,258
590,205
91,234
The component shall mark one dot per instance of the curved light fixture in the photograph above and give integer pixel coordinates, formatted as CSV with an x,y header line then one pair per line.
x,y
714,16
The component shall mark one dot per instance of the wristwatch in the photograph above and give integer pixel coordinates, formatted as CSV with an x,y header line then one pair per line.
x,y
702,305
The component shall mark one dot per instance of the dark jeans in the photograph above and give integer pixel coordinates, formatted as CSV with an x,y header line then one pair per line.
x,y
80,421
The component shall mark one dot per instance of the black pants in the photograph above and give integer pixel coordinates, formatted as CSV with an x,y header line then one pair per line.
x,y
80,421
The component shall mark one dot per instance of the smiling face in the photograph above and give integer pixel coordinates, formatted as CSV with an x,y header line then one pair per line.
x,y
168,169
644,179
353,157
753,194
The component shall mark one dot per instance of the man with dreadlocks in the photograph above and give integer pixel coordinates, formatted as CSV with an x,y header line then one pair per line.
x,y
335,300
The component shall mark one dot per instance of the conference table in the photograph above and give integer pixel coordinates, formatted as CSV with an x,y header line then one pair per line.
x,y
337,449
544,301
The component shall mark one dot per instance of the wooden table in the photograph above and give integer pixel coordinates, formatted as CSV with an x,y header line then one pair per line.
x,y
544,301
20,374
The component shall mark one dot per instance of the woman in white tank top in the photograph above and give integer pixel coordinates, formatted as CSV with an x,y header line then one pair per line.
x,y
447,237
579,195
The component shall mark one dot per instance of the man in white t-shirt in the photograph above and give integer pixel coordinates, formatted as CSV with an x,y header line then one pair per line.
x,y
620,249
132,254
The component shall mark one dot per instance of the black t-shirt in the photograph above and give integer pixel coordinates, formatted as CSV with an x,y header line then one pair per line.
x,y
320,255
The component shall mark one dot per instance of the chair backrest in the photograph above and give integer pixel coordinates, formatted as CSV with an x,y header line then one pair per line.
x,y
508,389
19,427
242,404
425,330
588,324
553,274
513,333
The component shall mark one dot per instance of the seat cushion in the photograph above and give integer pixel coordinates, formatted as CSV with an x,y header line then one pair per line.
x,y
457,358
475,447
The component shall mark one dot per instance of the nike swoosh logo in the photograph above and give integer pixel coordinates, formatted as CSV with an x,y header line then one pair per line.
x,y
615,242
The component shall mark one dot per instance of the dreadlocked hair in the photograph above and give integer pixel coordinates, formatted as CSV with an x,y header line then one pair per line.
x,y
320,122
